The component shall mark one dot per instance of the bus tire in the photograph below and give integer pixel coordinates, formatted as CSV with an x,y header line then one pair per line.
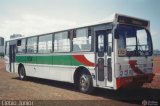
x,y
22,73
85,84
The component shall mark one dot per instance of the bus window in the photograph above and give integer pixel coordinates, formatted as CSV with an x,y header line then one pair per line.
x,y
45,44
100,43
82,42
142,44
7,48
109,44
32,45
61,42
130,40
21,46
1,41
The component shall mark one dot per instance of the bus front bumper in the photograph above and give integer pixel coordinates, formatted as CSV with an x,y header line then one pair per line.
x,y
134,81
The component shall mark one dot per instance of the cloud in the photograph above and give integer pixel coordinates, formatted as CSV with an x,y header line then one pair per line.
x,y
109,18
155,33
32,25
155,39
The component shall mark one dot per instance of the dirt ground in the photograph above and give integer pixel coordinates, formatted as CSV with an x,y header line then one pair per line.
x,y
156,65
60,93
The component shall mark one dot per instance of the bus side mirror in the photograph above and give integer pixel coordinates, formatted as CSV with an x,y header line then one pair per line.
x,y
1,41
1,47
19,43
116,35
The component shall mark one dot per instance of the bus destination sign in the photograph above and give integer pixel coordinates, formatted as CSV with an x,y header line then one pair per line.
x,y
132,21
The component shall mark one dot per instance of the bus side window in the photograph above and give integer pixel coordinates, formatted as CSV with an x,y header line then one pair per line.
x,y
21,46
82,41
45,44
32,45
61,42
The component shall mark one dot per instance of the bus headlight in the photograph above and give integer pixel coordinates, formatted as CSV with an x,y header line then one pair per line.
x,y
121,73
125,72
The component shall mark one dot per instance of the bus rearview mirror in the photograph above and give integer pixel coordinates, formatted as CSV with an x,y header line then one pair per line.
x,y
19,43
1,41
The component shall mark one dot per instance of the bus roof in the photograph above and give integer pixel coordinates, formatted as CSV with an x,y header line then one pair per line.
x,y
115,19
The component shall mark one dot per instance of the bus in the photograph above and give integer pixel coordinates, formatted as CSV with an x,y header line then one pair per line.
x,y
1,46
110,55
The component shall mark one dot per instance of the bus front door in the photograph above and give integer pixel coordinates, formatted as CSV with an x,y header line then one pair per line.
x,y
103,58
12,57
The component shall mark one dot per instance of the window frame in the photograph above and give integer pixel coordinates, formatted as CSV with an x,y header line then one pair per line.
x,y
148,35
36,45
89,33
51,34
24,46
70,42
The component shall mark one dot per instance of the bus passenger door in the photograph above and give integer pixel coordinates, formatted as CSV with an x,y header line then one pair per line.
x,y
12,57
104,58
109,59
101,69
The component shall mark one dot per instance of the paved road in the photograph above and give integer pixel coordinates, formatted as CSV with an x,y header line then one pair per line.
x,y
11,88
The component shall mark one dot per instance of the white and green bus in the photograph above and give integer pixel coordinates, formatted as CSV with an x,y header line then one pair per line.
x,y
1,47
109,55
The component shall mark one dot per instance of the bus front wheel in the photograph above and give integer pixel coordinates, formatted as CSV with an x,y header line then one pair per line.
x,y
22,73
85,84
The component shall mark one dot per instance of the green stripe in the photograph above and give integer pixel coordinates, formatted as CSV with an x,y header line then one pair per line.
x,y
55,60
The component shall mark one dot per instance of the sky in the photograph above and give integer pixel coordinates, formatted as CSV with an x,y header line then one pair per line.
x,y
32,17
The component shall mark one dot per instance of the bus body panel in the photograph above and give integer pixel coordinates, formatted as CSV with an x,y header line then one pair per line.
x,y
58,67
126,68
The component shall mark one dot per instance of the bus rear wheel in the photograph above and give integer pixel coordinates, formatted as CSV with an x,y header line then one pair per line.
x,y
85,84
22,73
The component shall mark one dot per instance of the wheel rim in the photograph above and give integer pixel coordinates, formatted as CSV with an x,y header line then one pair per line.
x,y
21,73
84,82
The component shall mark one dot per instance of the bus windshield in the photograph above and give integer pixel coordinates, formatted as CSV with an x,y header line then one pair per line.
x,y
134,41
